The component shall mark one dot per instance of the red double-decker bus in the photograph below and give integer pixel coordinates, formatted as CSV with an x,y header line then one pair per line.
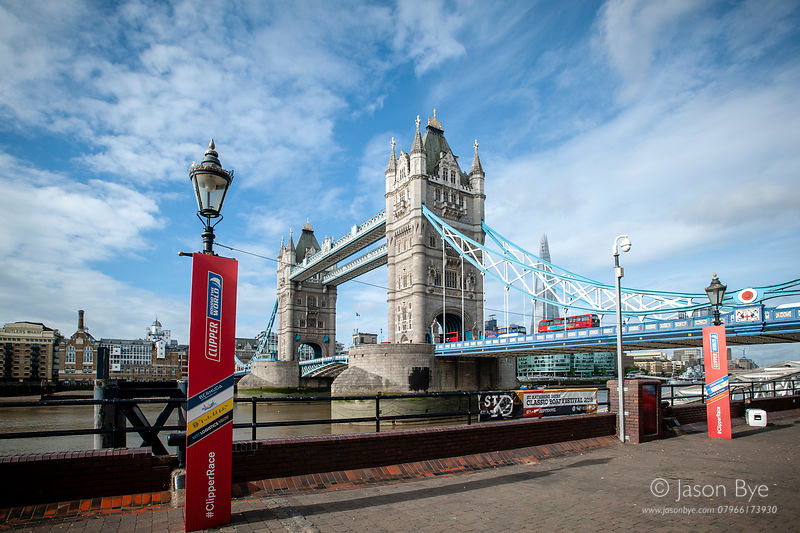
x,y
573,322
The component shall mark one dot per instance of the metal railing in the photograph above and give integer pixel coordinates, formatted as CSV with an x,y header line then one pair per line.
x,y
129,418
739,390
150,432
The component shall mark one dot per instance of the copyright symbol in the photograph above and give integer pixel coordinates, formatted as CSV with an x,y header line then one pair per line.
x,y
659,487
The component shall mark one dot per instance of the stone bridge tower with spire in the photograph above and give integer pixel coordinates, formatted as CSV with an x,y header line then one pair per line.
x,y
306,310
430,290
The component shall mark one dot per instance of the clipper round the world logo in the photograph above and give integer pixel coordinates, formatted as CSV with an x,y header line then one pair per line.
x,y
213,315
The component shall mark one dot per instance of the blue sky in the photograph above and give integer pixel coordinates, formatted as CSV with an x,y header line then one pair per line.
x,y
675,122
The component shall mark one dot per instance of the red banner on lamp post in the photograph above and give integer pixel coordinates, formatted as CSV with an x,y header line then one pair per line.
x,y
717,391
209,431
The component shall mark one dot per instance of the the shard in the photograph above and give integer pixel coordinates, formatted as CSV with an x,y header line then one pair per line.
x,y
542,289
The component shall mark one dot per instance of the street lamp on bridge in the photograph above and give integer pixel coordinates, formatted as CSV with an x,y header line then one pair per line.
x,y
716,292
620,243
210,182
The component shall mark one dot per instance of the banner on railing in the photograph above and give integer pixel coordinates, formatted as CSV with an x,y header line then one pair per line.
x,y
717,391
538,403
209,431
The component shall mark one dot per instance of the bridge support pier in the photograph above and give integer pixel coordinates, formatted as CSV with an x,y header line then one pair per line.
x,y
272,375
399,368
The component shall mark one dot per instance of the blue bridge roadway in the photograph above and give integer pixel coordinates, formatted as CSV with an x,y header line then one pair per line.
x,y
745,325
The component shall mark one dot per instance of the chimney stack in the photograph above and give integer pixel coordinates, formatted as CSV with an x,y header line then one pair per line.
x,y
80,318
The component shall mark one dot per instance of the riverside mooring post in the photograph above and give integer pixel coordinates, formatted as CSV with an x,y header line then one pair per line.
x,y
106,416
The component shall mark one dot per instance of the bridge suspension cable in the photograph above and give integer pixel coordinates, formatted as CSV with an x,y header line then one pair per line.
x,y
540,280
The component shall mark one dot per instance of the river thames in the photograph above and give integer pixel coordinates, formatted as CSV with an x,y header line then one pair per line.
x,y
47,418
75,417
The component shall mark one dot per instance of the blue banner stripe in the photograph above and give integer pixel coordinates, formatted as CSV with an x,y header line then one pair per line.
x,y
717,387
213,390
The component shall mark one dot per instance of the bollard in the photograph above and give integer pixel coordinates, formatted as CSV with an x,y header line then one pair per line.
x,y
101,440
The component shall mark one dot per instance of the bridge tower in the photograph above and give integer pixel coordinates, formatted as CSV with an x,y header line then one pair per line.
x,y
430,290
306,310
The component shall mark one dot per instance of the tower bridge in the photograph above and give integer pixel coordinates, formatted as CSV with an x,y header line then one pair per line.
x,y
438,257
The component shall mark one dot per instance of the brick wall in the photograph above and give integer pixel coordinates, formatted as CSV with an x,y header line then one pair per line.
x,y
69,476
266,459
688,414
53,477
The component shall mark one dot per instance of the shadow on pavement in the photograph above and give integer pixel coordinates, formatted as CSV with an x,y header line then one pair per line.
x,y
453,488
770,427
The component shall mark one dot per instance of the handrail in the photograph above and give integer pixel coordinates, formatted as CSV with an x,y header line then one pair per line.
x,y
747,390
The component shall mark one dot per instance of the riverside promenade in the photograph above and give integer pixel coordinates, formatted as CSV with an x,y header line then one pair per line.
x,y
683,483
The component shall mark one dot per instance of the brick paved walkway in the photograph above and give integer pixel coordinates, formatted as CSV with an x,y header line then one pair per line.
x,y
750,484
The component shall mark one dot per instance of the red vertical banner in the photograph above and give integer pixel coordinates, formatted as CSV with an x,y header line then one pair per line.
x,y
717,391
209,431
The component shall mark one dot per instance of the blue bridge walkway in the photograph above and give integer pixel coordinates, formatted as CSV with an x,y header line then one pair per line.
x,y
747,325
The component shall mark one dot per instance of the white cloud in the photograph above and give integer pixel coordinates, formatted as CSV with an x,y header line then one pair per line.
x,y
53,218
57,232
269,95
630,32
428,33
717,166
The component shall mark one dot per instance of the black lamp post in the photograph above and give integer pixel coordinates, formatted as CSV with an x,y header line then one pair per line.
x,y
716,292
210,182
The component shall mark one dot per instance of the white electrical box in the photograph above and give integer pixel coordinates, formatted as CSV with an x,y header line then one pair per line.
x,y
756,417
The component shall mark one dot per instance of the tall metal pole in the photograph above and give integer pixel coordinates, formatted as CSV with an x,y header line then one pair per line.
x,y
444,294
208,238
483,311
505,294
462,299
618,273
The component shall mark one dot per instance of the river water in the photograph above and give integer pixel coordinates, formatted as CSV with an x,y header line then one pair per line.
x,y
71,417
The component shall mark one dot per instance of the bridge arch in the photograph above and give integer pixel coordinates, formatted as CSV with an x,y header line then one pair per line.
x,y
453,321
308,350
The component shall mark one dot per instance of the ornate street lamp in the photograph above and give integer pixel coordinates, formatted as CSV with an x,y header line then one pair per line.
x,y
620,243
716,292
210,182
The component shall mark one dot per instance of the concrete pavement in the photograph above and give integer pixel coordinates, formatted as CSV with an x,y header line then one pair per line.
x,y
686,483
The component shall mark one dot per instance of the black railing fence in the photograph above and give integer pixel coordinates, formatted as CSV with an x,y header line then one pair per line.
x,y
124,415
740,390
